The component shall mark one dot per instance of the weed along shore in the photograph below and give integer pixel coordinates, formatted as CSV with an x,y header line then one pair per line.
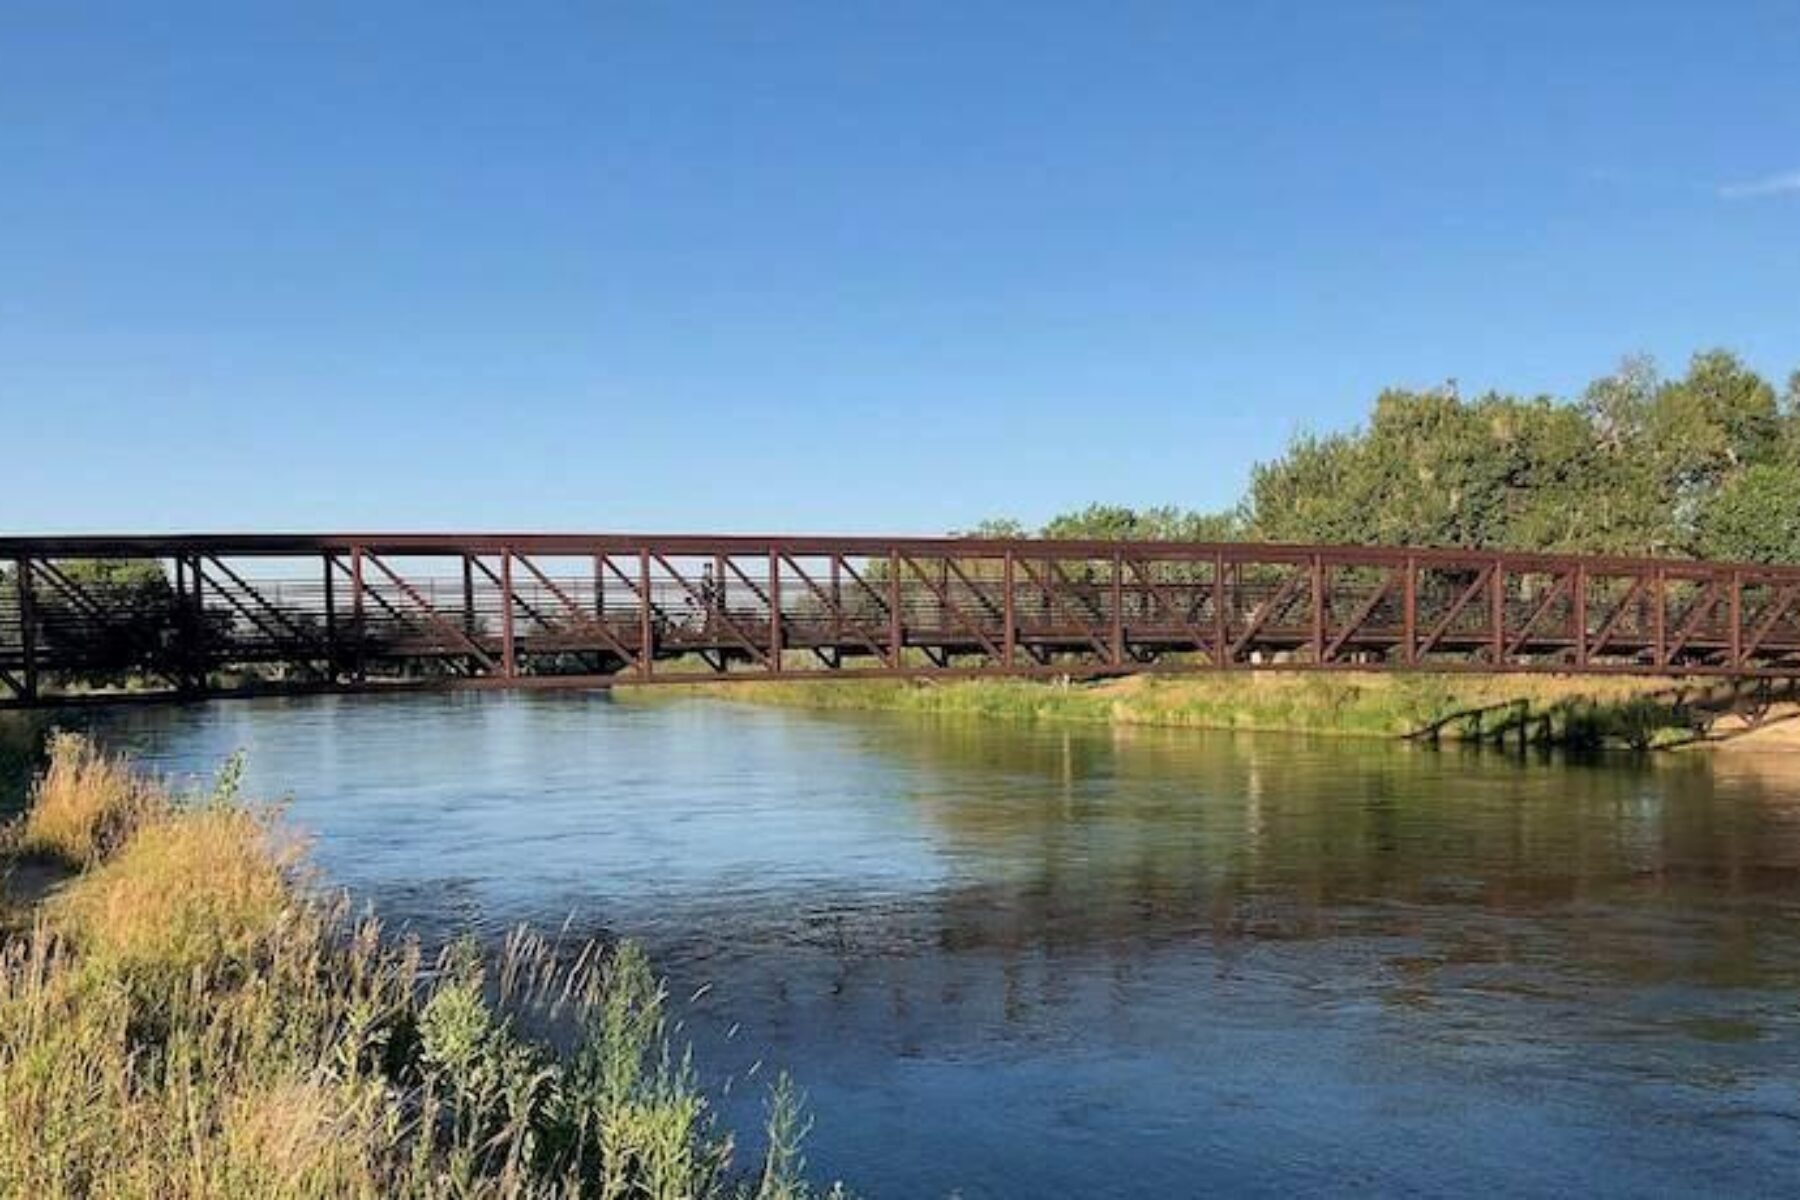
x,y
182,1015
1548,710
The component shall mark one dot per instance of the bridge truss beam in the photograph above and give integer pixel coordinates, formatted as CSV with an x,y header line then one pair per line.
x,y
115,617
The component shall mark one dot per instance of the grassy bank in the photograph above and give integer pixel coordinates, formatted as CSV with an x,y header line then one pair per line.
x,y
1544,710
183,1017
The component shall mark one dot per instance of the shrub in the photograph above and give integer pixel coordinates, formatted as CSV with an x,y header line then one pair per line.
x,y
85,805
198,887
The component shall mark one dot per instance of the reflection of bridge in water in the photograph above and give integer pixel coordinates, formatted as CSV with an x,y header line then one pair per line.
x,y
215,615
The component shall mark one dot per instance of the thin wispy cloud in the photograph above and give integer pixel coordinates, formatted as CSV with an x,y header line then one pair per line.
x,y
1786,183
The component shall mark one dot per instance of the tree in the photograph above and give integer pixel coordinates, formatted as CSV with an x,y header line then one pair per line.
x,y
115,610
1314,493
1638,464
1430,469
1163,523
1103,522
1628,510
1754,518
1790,420
994,527
1617,406
1718,419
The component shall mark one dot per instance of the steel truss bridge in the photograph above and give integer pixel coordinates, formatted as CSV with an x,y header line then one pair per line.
x,y
85,618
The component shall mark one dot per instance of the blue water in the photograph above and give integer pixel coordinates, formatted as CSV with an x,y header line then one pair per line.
x,y
1014,961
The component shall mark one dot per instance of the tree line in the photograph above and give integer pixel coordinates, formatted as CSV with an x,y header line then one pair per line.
x,y
1705,465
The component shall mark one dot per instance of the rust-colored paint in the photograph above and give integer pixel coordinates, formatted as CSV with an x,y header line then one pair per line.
x,y
705,607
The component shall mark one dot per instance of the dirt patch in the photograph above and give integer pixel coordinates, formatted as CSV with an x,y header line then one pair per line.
x,y
1779,729
23,884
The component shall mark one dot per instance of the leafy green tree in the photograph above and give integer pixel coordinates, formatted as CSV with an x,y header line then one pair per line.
x,y
995,527
1755,517
1107,522
1227,525
115,610
1162,523
1617,406
1628,469
1430,469
1718,419
1317,492
1638,464
1790,420
1627,509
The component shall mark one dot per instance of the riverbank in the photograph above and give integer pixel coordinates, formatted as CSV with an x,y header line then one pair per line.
x,y
1566,711
181,1015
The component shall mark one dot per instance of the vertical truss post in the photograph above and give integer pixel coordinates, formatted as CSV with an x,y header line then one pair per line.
x,y
331,623
1581,615
197,623
600,587
359,668
27,626
509,663
1318,608
1118,608
468,595
1737,618
943,591
896,631
646,659
184,627
198,596
1409,613
837,597
1009,617
1221,652
1659,588
774,611
716,598
1497,610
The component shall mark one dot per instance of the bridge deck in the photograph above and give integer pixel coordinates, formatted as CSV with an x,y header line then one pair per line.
x,y
193,616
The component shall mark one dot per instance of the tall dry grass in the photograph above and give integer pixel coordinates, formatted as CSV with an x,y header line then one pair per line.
x,y
186,1020
85,805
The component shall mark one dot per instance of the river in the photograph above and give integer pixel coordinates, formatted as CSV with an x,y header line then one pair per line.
x,y
1023,961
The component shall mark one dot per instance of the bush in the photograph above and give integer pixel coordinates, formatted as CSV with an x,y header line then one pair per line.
x,y
85,805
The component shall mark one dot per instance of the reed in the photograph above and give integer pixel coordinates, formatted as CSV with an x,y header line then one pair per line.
x,y
187,1018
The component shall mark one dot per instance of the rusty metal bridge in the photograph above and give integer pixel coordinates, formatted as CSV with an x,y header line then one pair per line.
x,y
105,618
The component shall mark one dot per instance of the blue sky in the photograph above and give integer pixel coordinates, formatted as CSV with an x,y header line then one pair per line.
x,y
839,266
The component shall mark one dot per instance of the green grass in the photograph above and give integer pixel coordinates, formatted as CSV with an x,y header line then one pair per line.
x,y
185,1019
1551,710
